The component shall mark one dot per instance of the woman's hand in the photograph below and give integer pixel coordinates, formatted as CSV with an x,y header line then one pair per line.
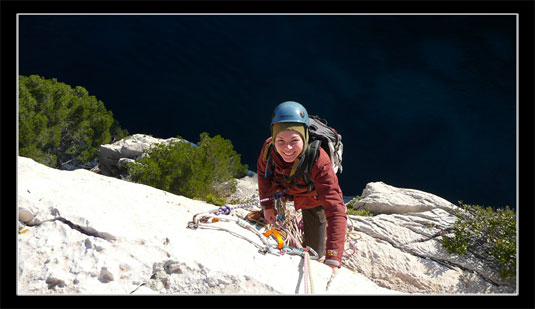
x,y
269,215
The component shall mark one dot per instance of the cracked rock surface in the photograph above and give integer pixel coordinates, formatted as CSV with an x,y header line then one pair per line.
x,y
401,246
85,233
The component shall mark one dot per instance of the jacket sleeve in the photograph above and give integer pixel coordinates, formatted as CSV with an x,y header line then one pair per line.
x,y
331,197
265,186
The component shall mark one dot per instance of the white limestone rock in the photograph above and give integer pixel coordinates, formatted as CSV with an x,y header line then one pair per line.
x,y
401,249
112,157
246,188
95,228
380,198
92,234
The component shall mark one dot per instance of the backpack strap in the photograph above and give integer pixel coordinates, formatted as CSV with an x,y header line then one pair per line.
x,y
311,156
270,166
304,167
267,151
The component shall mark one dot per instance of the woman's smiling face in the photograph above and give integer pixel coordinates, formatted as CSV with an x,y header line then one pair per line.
x,y
289,145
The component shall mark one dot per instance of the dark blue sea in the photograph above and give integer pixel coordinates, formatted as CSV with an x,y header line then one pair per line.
x,y
426,102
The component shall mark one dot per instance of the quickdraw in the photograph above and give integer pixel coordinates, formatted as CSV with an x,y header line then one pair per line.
x,y
300,252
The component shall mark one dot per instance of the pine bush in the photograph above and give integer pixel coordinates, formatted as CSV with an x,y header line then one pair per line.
x,y
487,233
206,172
59,124
350,210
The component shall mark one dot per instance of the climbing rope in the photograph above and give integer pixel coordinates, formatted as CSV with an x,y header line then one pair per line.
x,y
350,260
282,235
292,226
288,229
308,271
207,218
351,238
288,223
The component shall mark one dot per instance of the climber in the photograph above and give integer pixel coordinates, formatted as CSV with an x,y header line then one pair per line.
x,y
280,166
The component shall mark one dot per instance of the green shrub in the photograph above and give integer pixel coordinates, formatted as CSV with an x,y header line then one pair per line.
x,y
59,124
353,201
206,172
487,233
357,212
210,198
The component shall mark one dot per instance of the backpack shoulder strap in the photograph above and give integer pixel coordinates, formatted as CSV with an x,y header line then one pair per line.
x,y
270,166
267,151
305,167
312,155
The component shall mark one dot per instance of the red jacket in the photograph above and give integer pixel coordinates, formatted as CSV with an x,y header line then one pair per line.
x,y
327,194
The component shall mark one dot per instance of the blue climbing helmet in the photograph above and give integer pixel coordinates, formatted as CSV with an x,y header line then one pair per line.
x,y
290,111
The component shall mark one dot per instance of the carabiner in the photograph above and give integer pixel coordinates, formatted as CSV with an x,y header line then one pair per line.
x,y
278,237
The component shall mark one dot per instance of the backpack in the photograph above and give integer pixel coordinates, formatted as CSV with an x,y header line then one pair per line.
x,y
320,135
331,140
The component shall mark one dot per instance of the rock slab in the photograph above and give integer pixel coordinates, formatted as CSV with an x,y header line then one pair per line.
x,y
98,235
400,247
